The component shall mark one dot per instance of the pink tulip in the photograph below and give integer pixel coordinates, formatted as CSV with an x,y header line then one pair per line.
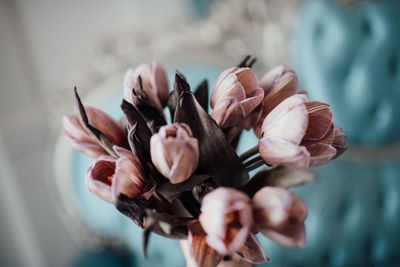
x,y
175,152
83,140
226,217
279,215
235,95
278,84
154,81
298,131
108,177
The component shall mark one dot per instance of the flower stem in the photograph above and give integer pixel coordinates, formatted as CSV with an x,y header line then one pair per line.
x,y
253,164
249,153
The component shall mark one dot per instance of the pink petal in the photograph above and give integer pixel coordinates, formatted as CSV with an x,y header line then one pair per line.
x,y
288,120
92,150
161,82
229,87
99,176
278,84
339,141
280,215
275,150
251,103
320,154
248,79
319,120
227,112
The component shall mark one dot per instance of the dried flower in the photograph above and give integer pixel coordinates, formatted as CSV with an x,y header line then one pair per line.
x,y
226,217
175,152
279,215
108,177
279,83
297,131
154,82
235,95
83,140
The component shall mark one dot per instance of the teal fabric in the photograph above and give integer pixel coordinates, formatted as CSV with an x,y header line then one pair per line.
x,y
349,57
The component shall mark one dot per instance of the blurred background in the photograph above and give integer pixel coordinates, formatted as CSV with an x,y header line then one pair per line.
x,y
346,53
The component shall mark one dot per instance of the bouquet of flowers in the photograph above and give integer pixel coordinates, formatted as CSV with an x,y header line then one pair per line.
x,y
184,179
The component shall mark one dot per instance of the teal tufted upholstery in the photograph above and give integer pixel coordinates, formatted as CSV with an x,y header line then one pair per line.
x,y
349,58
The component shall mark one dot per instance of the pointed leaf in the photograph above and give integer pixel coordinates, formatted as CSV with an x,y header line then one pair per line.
x,y
180,86
142,132
201,253
201,94
102,139
281,176
252,251
166,225
217,157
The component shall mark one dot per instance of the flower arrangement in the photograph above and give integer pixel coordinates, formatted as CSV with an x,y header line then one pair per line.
x,y
184,180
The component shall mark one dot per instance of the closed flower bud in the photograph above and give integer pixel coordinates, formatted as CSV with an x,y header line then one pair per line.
x,y
154,81
83,140
226,217
278,84
235,95
297,131
175,152
279,215
108,177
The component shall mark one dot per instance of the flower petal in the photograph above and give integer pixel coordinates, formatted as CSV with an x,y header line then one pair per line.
x,y
251,103
288,120
319,120
99,177
275,150
320,154
279,215
228,112
248,79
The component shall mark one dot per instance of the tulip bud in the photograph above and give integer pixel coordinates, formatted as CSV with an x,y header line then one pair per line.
x,y
154,82
175,152
278,84
279,215
235,95
226,217
108,177
84,141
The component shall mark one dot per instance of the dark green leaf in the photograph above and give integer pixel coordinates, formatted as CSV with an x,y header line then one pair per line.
x,y
217,158
201,94
280,176
133,208
172,191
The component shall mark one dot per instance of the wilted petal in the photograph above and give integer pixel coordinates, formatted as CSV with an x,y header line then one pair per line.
x,y
99,178
275,150
226,218
319,120
288,120
279,215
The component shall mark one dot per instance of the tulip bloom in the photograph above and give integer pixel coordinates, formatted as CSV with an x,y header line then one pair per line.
x,y
235,95
108,177
154,81
298,131
175,152
278,84
279,215
83,140
226,217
